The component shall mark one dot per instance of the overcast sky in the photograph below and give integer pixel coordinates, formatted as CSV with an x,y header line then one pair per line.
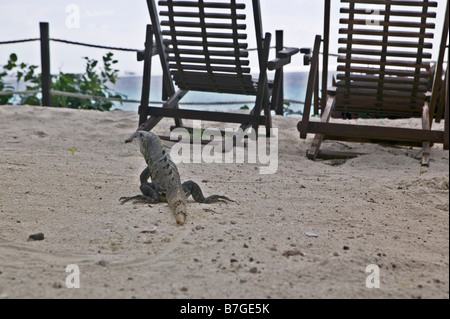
x,y
122,24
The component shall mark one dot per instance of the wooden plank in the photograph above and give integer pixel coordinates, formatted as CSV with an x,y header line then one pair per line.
x,y
199,67
430,4
46,79
381,92
390,33
212,61
365,131
397,72
378,43
304,123
215,35
376,85
390,62
160,46
194,4
211,44
447,111
204,115
387,79
313,151
325,55
403,24
224,53
438,83
203,77
209,15
186,24
426,125
147,75
388,53
398,13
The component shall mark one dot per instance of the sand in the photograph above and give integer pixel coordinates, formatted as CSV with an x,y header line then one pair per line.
x,y
308,231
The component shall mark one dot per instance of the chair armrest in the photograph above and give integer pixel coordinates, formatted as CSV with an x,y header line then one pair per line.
x,y
283,58
307,55
287,53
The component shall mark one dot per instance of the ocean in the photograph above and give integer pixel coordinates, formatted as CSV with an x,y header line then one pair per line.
x,y
294,89
130,86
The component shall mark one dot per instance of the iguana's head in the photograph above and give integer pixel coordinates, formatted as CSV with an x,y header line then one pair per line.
x,y
149,143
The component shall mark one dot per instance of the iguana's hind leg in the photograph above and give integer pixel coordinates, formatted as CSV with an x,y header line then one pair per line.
x,y
149,195
192,188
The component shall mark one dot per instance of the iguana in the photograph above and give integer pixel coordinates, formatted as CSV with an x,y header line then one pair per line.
x,y
166,183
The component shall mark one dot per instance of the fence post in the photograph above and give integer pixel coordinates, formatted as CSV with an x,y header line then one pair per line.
x,y
279,108
146,79
46,82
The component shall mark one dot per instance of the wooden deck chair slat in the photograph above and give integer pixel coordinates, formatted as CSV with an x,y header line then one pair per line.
x,y
193,4
186,24
211,35
403,24
199,67
399,63
388,53
412,3
223,53
403,34
213,61
392,86
390,43
375,93
387,79
396,72
201,81
207,15
212,44
395,13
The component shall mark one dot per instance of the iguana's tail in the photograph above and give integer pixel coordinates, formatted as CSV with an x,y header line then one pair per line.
x,y
178,206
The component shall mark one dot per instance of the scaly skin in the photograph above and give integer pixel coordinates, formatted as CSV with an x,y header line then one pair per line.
x,y
166,183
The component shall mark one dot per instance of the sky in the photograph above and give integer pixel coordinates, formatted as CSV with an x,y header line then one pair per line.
x,y
122,24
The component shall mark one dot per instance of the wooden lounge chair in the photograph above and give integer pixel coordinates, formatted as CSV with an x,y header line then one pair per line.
x,y
202,47
384,70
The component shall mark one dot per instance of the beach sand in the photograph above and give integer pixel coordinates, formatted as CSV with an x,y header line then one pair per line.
x,y
308,231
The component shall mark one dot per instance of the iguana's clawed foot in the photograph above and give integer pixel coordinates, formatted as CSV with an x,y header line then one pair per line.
x,y
217,199
139,199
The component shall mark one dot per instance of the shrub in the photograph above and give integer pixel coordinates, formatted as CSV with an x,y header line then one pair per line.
x,y
94,81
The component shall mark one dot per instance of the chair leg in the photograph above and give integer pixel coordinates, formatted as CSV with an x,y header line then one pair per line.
x,y
426,145
268,113
313,151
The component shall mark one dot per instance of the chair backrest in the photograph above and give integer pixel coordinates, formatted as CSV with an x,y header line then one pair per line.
x,y
384,63
205,44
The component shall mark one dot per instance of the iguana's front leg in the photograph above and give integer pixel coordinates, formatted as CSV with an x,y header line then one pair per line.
x,y
192,188
150,192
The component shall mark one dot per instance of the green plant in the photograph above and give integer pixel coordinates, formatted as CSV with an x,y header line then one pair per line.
x,y
4,99
25,72
94,81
